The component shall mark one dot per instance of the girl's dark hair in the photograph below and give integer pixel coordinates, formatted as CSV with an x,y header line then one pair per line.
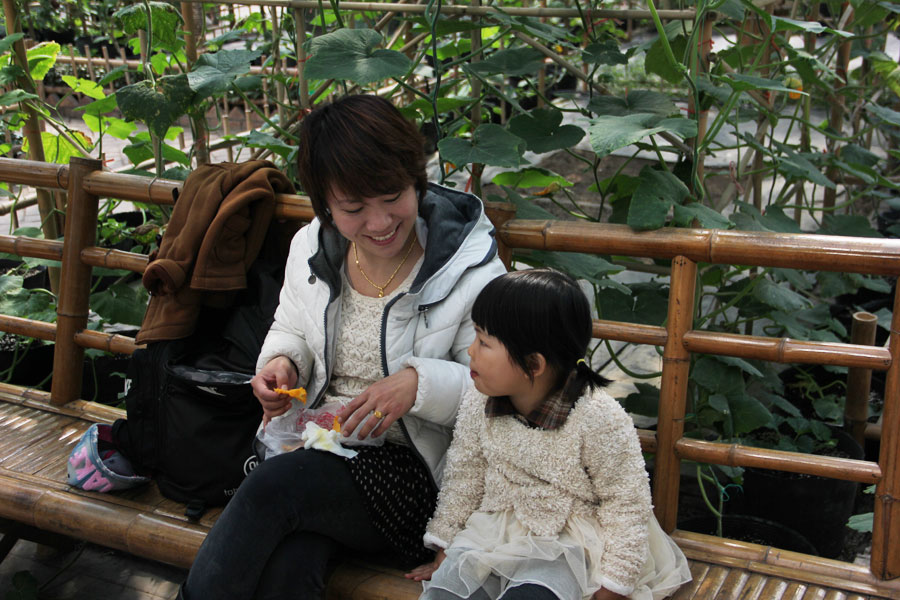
x,y
544,311
363,146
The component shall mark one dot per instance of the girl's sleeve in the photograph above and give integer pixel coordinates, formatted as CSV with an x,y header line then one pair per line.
x,y
463,484
611,454
286,336
442,382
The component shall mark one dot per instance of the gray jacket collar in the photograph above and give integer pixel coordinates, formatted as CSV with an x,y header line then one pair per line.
x,y
450,216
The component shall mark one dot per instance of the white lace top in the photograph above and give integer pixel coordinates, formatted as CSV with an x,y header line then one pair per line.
x,y
357,357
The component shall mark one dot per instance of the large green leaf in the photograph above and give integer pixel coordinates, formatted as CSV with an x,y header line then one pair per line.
x,y
352,54
609,133
785,24
795,166
490,144
58,149
779,297
590,267
658,61
636,101
686,213
742,83
542,132
645,401
7,42
214,73
748,413
19,302
165,21
511,62
158,108
14,96
654,196
258,139
41,59
121,303
606,52
425,107
884,113
530,177
87,87
717,377
646,303
852,225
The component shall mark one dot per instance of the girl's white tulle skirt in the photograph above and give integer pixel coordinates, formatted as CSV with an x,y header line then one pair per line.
x,y
496,552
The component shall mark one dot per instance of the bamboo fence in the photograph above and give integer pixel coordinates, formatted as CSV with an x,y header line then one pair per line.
x,y
86,183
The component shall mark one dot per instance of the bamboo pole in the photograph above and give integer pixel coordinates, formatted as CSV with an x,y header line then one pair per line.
x,y
859,380
73,305
476,11
300,33
199,128
751,248
51,222
499,213
885,561
673,392
836,120
736,455
475,37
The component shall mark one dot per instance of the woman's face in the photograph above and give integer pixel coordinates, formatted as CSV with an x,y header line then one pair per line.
x,y
381,225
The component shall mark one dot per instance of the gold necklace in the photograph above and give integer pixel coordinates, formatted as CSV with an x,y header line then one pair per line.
x,y
381,288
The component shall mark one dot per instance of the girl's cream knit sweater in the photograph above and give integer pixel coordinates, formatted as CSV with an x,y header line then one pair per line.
x,y
591,466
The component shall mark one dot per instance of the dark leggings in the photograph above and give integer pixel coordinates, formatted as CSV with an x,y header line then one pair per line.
x,y
275,538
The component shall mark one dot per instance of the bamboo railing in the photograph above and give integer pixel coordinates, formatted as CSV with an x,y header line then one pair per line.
x,y
86,183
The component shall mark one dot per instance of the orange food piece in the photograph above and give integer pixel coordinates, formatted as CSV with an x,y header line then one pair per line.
x,y
337,424
298,393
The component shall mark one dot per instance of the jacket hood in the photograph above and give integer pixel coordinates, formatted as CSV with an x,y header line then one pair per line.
x,y
447,220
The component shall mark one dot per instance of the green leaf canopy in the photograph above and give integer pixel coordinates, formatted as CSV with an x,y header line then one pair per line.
x,y
609,133
214,73
490,144
352,54
159,108
542,132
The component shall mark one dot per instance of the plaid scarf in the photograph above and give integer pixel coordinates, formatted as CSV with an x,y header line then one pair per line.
x,y
550,415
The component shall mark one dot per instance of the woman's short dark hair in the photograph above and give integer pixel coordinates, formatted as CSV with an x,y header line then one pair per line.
x,y
362,145
539,311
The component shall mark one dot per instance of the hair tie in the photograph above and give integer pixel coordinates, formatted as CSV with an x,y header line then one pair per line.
x,y
581,361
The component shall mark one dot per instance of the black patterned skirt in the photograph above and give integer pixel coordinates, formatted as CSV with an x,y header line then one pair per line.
x,y
399,495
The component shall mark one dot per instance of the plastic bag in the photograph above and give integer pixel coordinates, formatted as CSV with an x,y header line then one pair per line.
x,y
283,433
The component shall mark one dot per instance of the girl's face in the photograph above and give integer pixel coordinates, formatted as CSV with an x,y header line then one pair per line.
x,y
492,369
380,226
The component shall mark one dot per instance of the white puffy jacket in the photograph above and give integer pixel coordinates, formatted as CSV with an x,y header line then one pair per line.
x,y
428,328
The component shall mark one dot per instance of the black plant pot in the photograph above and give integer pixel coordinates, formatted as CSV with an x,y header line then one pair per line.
x,y
31,362
817,507
748,528
103,378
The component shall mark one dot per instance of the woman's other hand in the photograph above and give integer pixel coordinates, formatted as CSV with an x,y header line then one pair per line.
x,y
278,373
424,572
391,398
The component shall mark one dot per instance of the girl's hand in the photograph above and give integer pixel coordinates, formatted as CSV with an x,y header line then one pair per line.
x,y
424,572
392,397
604,594
278,373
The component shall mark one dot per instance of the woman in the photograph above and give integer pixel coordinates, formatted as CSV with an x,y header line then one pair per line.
x,y
374,314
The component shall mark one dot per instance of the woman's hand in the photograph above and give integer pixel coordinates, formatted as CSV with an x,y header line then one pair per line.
x,y
604,594
424,572
278,373
391,397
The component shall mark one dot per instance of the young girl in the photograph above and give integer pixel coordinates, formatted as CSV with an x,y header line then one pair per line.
x,y
545,493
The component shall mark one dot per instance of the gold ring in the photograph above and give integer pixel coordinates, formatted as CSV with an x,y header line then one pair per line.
x,y
378,414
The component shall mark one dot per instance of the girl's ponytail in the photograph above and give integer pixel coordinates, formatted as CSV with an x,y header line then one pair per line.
x,y
585,377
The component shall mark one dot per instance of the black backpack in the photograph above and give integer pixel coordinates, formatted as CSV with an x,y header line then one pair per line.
x,y
191,414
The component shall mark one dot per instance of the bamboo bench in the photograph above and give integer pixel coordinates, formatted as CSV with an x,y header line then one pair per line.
x,y
40,428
